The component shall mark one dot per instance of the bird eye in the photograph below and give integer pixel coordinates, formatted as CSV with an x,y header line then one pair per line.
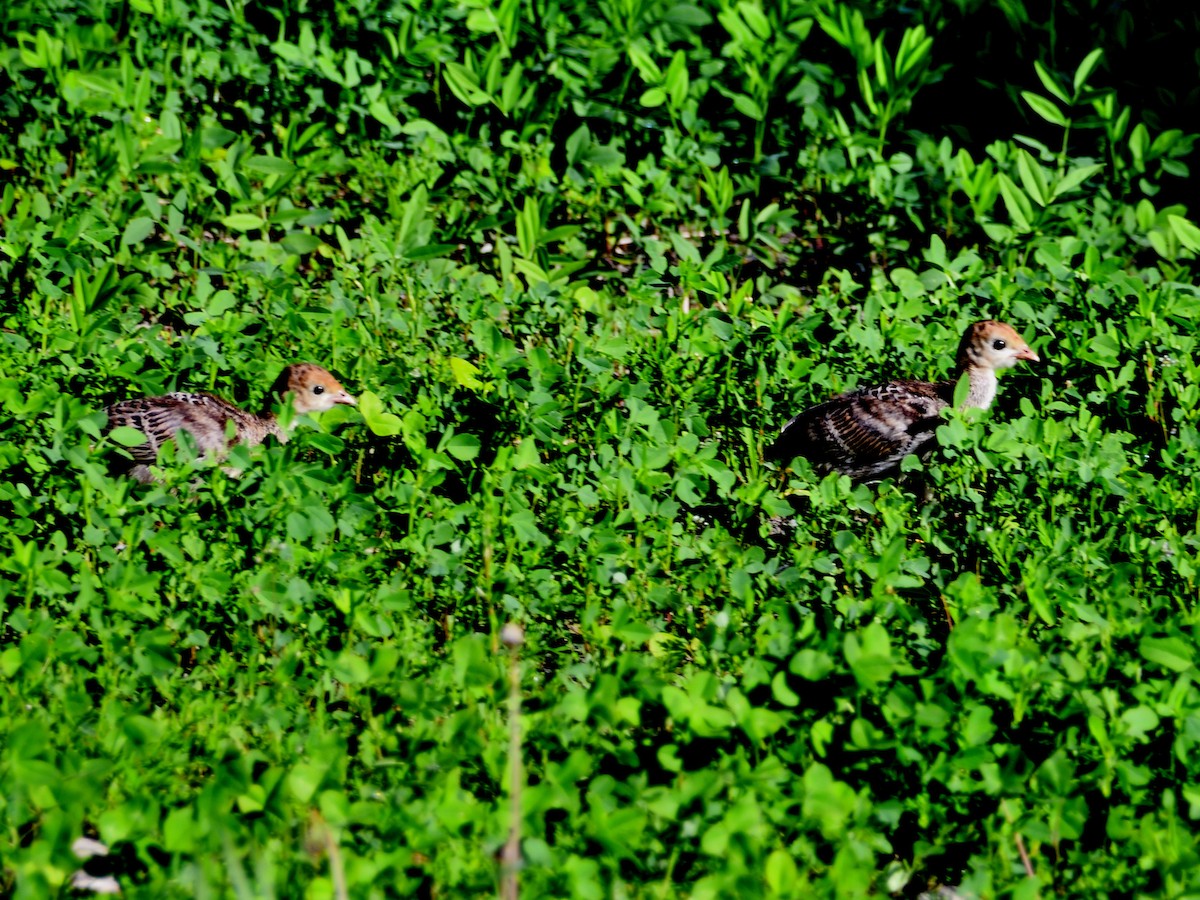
x,y
998,344
320,388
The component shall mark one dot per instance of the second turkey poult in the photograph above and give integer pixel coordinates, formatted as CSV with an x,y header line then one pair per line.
x,y
206,418
867,432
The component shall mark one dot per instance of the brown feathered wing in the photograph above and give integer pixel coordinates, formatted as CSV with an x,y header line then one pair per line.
x,y
203,416
866,433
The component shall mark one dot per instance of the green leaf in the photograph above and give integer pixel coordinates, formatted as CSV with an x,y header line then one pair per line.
x,y
653,97
1075,177
243,221
813,665
1139,145
883,66
1050,83
1033,178
781,873
676,80
382,423
464,84
382,114
350,668
300,243
529,227
1086,67
1045,108
919,50
1188,233
463,447
754,17
466,374
430,251
1104,349
137,230
268,165
688,15
10,662
828,803
748,107
644,63
1140,721
1169,652
782,693
869,654
127,436
1020,210
304,779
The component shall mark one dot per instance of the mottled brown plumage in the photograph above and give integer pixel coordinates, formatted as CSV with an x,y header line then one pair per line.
x,y
866,433
206,418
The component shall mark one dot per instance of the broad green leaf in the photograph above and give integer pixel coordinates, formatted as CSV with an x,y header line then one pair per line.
x,y
243,221
1169,652
304,779
828,803
687,14
653,97
1103,349
1075,177
268,165
782,693
380,422
127,436
1045,108
10,662
430,251
1186,231
300,243
869,654
137,230
1140,720
380,111
1139,145
781,873
464,447
466,374
350,668
748,107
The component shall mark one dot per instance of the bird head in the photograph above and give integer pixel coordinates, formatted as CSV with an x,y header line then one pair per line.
x,y
993,345
313,388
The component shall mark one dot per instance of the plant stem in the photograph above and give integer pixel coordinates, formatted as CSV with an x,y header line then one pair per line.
x,y
510,858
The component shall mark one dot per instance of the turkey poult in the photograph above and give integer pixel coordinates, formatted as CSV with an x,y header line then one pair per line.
x,y
205,417
866,433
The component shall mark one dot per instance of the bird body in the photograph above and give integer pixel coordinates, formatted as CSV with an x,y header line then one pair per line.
x,y
867,432
216,424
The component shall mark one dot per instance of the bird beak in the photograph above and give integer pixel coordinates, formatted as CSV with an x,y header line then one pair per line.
x,y
345,398
1028,354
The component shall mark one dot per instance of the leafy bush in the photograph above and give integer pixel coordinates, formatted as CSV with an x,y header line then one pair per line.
x,y
579,263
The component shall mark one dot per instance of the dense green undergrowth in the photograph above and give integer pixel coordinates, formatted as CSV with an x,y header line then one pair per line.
x,y
579,263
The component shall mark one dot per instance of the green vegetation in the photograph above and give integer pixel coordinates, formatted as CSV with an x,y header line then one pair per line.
x,y
579,262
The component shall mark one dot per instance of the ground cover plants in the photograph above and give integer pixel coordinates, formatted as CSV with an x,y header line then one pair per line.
x,y
578,262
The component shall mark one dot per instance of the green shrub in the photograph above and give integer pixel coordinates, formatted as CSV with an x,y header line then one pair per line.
x,y
579,263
